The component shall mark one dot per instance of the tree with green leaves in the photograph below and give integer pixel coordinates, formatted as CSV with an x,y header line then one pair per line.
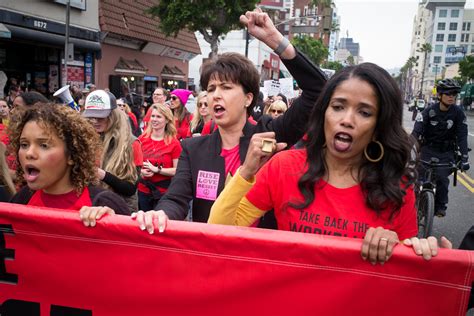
x,y
350,60
466,67
323,3
311,47
212,18
334,65
426,49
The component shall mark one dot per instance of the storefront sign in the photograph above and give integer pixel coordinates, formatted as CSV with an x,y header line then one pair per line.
x,y
88,68
79,4
50,264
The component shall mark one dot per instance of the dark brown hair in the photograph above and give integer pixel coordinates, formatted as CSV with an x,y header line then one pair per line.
x,y
235,68
81,140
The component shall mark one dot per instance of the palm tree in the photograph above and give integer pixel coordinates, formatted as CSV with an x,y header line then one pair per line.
x,y
425,48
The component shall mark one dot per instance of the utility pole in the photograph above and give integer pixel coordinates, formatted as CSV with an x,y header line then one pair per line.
x,y
66,42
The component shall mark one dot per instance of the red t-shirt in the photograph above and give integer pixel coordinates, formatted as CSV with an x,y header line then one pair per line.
x,y
184,129
158,153
137,153
67,201
232,159
334,211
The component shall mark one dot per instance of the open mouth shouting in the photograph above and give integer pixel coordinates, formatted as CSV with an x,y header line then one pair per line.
x,y
219,111
31,173
342,142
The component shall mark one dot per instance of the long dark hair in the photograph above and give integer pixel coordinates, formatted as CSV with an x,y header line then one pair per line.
x,y
384,183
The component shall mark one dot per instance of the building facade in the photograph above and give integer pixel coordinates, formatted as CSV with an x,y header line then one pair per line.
x,y
33,39
136,56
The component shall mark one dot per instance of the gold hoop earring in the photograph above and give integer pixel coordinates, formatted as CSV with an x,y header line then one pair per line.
x,y
382,152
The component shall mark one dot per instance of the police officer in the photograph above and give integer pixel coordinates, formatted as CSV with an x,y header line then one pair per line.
x,y
440,129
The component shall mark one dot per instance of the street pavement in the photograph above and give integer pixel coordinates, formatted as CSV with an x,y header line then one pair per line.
x,y
460,213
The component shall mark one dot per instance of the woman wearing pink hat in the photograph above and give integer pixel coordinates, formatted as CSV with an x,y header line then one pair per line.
x,y
182,118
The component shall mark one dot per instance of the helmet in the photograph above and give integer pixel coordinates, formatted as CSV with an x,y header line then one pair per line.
x,y
447,86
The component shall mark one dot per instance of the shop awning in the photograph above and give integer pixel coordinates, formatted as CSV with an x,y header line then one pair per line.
x,y
172,72
130,66
50,38
4,31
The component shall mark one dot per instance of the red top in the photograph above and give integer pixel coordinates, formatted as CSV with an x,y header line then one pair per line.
x,y
184,129
334,211
134,119
159,154
67,201
232,159
137,153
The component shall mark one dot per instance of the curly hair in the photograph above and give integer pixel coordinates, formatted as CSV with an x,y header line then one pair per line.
x,y
170,129
117,157
81,141
384,183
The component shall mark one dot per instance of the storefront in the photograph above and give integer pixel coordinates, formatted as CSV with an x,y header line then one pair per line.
x,y
32,53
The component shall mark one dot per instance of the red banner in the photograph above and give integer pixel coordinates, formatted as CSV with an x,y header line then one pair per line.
x,y
50,264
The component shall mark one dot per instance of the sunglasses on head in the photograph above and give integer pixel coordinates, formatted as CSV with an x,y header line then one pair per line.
x,y
276,111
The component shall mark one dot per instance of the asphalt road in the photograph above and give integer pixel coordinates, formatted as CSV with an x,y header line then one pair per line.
x,y
460,213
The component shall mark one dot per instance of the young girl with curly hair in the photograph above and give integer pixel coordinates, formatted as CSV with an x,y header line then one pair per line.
x,y
57,150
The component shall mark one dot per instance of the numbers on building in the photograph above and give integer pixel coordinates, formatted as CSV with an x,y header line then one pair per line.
x,y
40,24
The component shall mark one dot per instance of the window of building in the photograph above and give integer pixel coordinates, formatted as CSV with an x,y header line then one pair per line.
x,y
467,37
472,49
438,48
437,59
443,13
455,13
441,26
453,26
452,38
439,37
468,26
462,37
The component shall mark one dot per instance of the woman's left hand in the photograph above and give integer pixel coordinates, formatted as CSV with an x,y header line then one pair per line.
x,y
90,214
378,245
427,247
148,165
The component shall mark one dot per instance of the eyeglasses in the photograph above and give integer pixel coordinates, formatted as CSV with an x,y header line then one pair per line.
x,y
173,97
276,111
203,104
121,104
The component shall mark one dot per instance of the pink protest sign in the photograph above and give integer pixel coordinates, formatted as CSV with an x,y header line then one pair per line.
x,y
207,184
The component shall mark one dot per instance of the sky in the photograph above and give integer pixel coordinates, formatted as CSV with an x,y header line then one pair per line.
x,y
383,28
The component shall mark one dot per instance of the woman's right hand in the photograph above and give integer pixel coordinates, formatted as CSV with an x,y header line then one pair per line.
x,y
146,173
261,27
256,157
147,220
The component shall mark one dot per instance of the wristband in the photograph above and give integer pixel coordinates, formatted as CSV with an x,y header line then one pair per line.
x,y
282,46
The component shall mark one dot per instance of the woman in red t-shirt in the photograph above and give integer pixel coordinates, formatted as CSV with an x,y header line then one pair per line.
x,y
354,177
57,150
182,118
161,151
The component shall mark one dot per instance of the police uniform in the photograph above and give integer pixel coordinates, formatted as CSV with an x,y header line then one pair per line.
x,y
440,132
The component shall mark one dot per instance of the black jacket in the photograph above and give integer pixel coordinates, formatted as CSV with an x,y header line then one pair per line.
x,y
442,130
203,153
